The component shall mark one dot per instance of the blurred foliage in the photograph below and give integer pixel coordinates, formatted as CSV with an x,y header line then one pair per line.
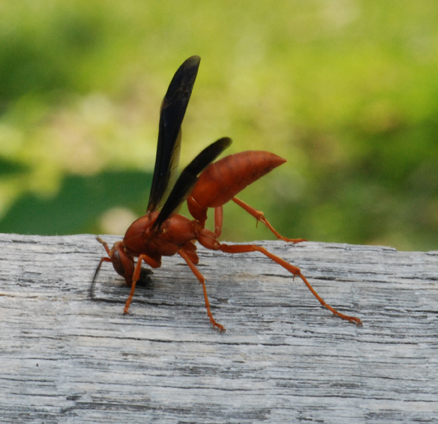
x,y
346,90
80,202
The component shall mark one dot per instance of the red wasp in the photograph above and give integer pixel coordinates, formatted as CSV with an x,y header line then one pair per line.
x,y
163,232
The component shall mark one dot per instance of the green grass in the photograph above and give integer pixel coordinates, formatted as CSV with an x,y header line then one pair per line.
x,y
346,91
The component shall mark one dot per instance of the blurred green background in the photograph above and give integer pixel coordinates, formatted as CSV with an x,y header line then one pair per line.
x,y
345,90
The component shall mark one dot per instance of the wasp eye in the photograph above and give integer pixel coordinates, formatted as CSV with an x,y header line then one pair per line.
x,y
117,263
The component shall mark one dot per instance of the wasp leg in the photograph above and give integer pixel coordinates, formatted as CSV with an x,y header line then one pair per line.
x,y
201,279
135,277
291,268
261,217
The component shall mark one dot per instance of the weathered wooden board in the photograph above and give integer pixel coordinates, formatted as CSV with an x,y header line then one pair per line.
x,y
67,358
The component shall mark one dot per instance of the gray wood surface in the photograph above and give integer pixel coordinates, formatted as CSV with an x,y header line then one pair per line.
x,y
67,358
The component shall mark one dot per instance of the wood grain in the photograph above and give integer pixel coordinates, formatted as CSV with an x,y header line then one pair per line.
x,y
67,358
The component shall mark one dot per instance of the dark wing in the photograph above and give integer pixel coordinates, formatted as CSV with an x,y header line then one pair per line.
x,y
188,178
172,114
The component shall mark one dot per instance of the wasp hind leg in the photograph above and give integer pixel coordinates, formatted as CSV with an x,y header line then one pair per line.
x,y
259,215
291,268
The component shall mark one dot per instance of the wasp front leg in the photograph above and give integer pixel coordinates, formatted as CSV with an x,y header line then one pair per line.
x,y
136,276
